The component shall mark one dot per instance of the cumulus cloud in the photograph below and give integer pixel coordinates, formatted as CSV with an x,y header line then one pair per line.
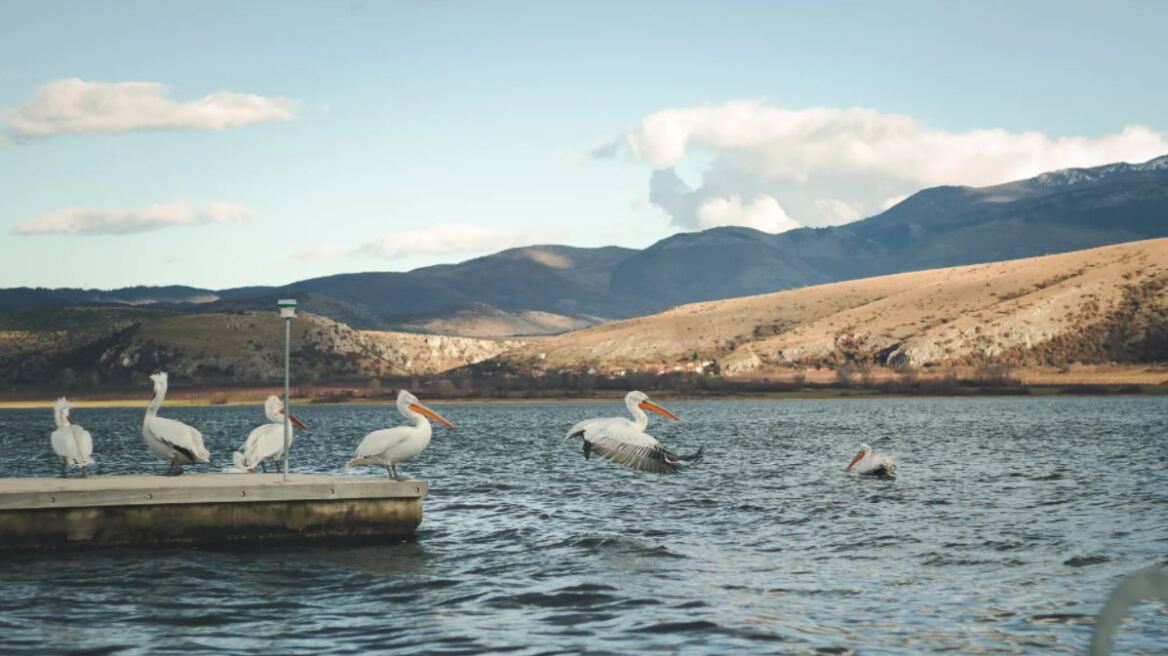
x,y
763,213
830,165
74,106
446,239
87,221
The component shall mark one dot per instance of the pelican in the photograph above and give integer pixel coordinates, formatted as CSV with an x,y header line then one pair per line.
x,y
626,443
267,441
72,443
867,464
390,447
171,440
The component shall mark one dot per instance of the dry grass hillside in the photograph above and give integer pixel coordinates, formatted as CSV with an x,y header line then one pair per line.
x,y
239,347
1101,305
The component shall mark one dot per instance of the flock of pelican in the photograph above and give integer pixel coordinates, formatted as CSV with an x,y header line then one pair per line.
x,y
617,439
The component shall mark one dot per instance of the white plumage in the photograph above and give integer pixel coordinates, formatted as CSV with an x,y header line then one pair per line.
x,y
72,443
867,463
267,442
171,440
625,441
389,447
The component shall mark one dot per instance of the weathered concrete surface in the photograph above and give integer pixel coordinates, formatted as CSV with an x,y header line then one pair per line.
x,y
44,513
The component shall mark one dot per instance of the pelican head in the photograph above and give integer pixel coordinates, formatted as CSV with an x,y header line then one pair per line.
x,y
412,408
159,382
638,399
274,409
864,452
61,411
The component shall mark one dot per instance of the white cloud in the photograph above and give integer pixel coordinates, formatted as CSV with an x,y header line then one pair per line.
x,y
763,213
892,201
829,165
836,210
75,106
445,239
86,221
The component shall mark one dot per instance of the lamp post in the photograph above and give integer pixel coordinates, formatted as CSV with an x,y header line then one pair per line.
x,y
287,313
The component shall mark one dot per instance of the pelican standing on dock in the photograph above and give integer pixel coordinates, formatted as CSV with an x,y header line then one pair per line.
x,y
171,440
390,447
72,443
625,442
267,441
868,464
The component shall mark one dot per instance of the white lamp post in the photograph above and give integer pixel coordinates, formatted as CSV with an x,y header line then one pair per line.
x,y
288,313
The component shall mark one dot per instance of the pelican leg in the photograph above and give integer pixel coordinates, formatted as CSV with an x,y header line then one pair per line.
x,y
84,474
264,466
396,477
389,471
587,449
63,470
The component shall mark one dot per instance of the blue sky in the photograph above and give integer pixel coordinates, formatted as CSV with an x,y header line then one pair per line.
x,y
396,135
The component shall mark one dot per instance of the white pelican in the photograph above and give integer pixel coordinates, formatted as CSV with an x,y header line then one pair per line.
x,y
172,440
267,441
867,464
72,443
625,442
389,447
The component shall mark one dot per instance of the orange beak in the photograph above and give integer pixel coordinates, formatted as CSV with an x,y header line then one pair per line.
x,y
296,422
423,410
653,407
858,458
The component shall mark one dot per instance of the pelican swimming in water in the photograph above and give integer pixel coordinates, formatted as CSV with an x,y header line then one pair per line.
x,y
868,464
72,443
267,441
625,441
390,447
172,440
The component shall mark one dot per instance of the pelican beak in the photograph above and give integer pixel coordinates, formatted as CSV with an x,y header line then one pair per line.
x,y
653,407
295,422
423,410
858,458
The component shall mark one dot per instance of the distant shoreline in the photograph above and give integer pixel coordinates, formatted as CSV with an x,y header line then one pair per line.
x,y
224,398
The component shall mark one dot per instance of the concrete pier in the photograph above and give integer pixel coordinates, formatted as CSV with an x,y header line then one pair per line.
x,y
55,513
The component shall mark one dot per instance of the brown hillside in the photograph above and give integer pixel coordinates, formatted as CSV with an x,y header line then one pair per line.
x,y
1100,305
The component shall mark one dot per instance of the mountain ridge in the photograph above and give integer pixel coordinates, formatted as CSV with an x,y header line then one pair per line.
x,y
546,289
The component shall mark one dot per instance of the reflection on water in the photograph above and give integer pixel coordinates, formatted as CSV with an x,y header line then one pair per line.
x,y
1009,524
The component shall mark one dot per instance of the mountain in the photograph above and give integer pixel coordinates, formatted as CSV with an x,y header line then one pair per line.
x,y
1101,305
944,226
549,289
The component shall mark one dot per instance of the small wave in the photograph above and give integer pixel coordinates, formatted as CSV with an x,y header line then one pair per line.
x,y
1072,619
1085,561
677,627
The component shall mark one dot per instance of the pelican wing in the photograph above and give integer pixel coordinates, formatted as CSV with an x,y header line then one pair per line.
x,y
265,442
180,437
594,424
380,441
63,443
84,442
627,446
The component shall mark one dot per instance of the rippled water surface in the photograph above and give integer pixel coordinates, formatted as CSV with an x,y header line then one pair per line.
x,y
1010,522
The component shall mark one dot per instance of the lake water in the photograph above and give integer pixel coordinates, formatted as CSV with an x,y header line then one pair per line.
x,y
1009,523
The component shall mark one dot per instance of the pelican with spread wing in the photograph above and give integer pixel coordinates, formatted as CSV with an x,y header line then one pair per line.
x,y
390,447
72,443
171,440
625,441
